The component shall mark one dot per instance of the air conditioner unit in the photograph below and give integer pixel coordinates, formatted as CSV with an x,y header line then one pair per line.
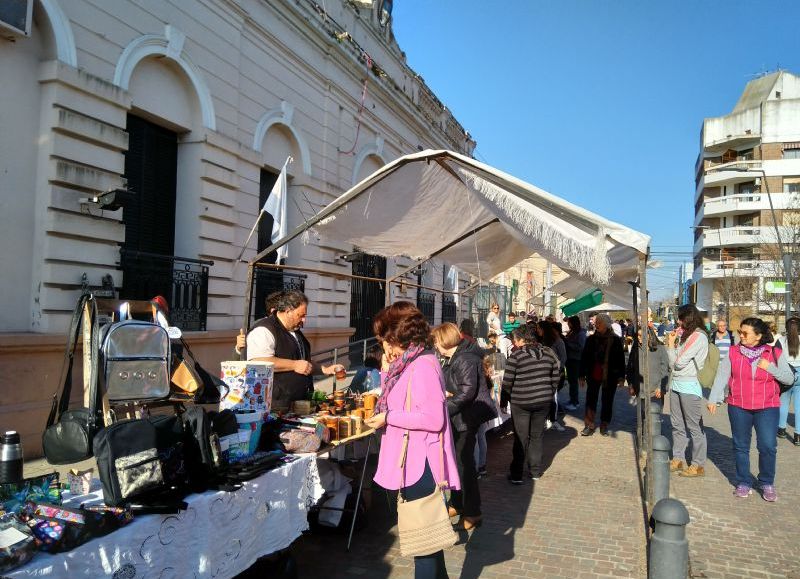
x,y
16,17
758,181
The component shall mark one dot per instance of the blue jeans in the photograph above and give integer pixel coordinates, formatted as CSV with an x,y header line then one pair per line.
x,y
428,566
766,424
791,395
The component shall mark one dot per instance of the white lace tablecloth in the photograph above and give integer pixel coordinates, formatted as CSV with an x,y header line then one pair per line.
x,y
220,535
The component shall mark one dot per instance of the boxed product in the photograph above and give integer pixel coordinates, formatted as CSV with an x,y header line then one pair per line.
x,y
249,386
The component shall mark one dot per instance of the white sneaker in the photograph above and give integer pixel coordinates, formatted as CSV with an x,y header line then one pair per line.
x,y
548,424
558,427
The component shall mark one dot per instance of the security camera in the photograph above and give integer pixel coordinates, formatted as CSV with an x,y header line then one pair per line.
x,y
110,200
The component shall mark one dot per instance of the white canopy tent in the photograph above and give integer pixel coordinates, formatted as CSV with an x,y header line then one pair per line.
x,y
481,220
617,292
606,307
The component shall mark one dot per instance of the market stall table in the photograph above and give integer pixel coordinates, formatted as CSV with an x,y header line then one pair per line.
x,y
221,534
366,434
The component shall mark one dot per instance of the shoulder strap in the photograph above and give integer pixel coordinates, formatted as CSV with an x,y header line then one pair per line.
x,y
407,406
404,450
86,304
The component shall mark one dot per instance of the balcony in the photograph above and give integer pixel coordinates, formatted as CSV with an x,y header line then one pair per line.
x,y
747,203
182,281
737,268
716,174
742,236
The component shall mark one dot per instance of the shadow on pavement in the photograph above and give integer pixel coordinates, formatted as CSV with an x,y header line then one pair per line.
x,y
505,507
720,453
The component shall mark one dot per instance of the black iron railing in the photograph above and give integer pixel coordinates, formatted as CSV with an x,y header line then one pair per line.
x,y
182,281
426,302
449,308
268,281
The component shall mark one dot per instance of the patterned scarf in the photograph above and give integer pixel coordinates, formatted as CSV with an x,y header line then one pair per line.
x,y
393,375
752,353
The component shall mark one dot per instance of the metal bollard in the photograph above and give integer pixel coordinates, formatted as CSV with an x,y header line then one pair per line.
x,y
669,548
660,468
655,418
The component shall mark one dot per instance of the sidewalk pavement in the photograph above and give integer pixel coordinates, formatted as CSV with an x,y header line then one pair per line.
x,y
583,519
732,537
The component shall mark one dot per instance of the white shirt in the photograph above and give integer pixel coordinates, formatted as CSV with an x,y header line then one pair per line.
x,y
617,329
261,343
494,323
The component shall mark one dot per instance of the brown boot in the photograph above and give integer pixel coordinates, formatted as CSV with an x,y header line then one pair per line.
x,y
693,471
676,464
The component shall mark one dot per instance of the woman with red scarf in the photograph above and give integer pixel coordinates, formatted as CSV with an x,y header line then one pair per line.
x,y
750,374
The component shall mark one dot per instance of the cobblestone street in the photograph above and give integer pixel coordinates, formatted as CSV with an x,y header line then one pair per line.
x,y
582,519
731,537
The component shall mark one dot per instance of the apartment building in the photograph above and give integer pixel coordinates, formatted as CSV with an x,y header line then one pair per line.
x,y
747,199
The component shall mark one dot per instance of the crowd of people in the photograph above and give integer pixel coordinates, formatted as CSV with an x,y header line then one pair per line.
x,y
441,387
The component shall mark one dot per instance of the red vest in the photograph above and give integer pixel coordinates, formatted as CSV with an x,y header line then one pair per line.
x,y
748,391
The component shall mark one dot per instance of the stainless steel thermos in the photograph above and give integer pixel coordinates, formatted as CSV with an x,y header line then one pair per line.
x,y
10,457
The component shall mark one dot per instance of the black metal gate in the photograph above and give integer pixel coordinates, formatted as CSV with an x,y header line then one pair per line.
x,y
449,313
367,298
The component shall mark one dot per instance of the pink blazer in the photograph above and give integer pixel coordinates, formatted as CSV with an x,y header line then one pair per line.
x,y
427,418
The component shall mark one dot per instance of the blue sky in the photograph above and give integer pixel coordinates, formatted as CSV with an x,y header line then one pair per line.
x,y
599,101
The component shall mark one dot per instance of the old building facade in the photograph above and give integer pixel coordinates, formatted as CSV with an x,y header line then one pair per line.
x,y
188,110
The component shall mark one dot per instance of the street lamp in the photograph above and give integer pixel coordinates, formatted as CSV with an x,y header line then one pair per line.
x,y
785,257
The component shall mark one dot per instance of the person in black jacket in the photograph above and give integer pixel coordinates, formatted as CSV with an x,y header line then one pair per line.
x,y
469,405
530,380
602,368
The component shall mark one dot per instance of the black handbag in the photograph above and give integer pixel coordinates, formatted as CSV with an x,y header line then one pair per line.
x,y
203,454
68,435
142,460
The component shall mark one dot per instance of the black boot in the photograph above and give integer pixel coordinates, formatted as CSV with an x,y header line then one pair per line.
x,y
782,433
796,440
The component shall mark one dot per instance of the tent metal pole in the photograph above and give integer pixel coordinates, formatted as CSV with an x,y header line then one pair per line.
x,y
342,275
643,415
248,297
442,249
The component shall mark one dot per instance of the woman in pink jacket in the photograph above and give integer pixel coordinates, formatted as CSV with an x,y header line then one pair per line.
x,y
750,375
407,363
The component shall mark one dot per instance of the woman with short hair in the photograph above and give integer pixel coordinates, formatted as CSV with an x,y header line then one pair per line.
x,y
409,367
751,374
469,405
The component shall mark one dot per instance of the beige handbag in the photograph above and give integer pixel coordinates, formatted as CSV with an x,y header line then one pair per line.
x,y
424,524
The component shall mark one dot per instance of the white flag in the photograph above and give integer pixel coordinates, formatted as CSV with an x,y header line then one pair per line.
x,y
276,206
452,282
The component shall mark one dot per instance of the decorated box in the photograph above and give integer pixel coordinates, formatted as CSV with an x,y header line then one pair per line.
x,y
250,386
